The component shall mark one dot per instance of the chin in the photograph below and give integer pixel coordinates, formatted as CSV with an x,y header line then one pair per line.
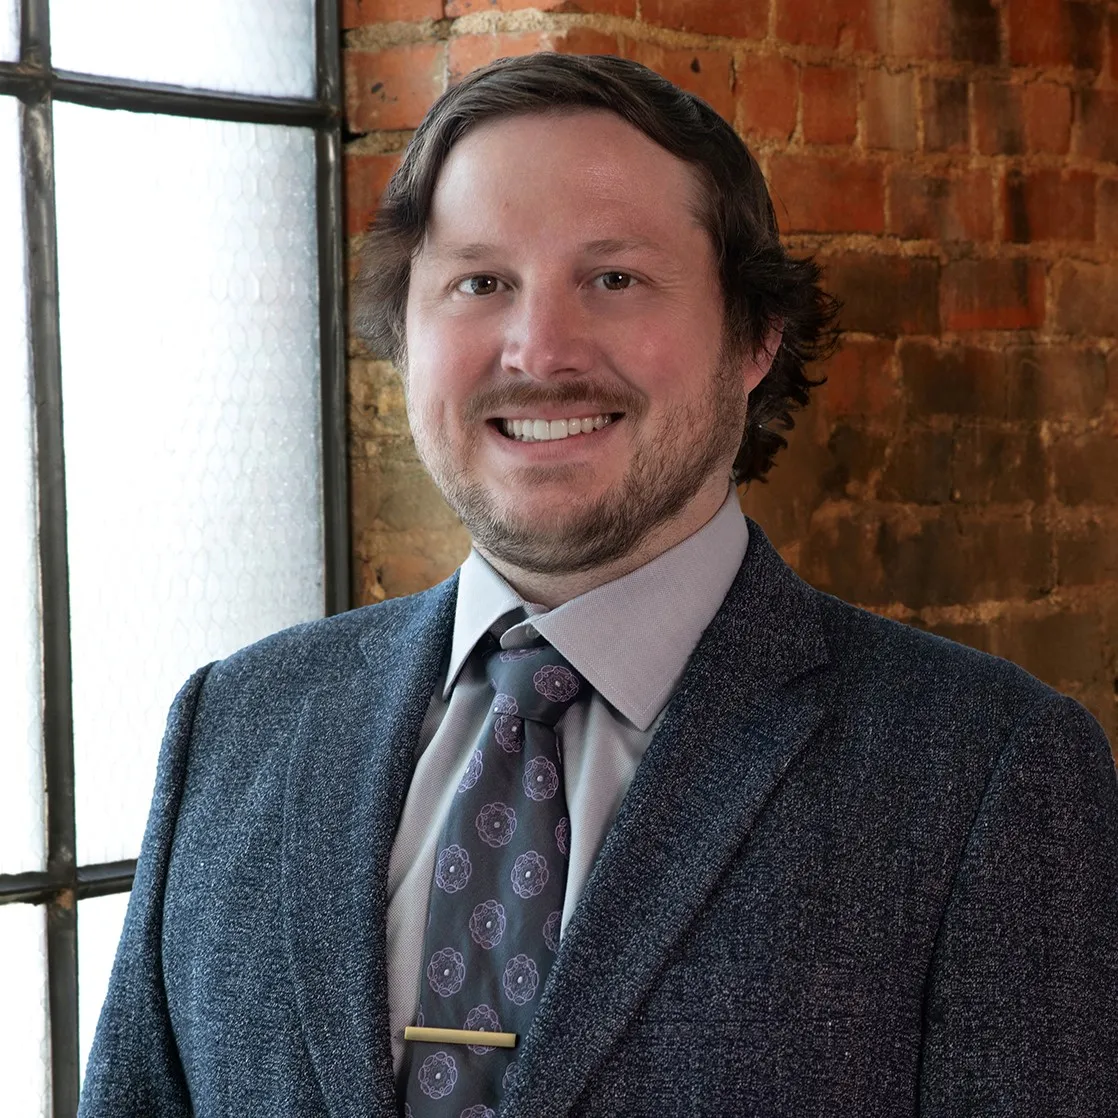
x,y
577,536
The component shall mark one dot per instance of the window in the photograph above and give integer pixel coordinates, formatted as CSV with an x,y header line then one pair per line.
x,y
172,471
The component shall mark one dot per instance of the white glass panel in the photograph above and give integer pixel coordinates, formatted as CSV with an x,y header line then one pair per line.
x,y
24,1051
9,30
21,751
243,46
99,924
189,318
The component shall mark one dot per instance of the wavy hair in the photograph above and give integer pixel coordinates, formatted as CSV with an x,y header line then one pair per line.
x,y
763,286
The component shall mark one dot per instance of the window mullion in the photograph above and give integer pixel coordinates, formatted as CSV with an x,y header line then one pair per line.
x,y
331,287
335,503
42,263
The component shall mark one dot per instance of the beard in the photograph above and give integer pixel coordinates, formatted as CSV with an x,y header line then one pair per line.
x,y
661,478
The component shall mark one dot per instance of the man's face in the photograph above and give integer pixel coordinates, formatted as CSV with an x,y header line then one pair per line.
x,y
566,286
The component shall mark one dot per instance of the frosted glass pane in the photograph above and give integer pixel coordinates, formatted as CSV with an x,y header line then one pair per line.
x,y
99,924
243,46
9,30
21,751
190,376
24,1051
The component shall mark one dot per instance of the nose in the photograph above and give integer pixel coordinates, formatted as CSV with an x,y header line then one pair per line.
x,y
547,333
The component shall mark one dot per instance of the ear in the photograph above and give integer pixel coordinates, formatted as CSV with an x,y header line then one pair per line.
x,y
755,366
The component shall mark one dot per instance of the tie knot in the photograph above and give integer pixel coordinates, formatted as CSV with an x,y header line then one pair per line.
x,y
535,683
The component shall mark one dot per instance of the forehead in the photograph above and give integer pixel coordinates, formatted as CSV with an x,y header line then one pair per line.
x,y
576,168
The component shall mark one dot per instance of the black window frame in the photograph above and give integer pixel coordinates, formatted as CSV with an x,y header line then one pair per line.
x,y
37,85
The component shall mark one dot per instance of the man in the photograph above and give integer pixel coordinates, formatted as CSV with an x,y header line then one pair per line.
x,y
677,833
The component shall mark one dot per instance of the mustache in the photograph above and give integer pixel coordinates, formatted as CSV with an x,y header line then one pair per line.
x,y
598,398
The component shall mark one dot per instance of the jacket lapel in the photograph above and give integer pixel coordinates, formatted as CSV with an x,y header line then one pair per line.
x,y
350,767
748,702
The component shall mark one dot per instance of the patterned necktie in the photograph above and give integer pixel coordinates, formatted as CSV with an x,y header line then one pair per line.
x,y
497,896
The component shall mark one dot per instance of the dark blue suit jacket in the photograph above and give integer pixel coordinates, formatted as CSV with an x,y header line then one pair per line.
x,y
861,871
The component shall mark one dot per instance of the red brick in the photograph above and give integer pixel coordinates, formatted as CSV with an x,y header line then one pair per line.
x,y
964,30
706,73
1059,648
1108,213
743,19
1047,112
830,104
845,25
995,465
468,52
1055,382
976,31
998,294
1046,205
626,8
890,110
1113,36
887,295
918,467
921,31
1054,33
828,194
766,92
954,380
366,176
946,115
999,118
938,558
1085,466
392,88
1084,298
924,206
852,466
1097,110
860,381
1087,549
362,13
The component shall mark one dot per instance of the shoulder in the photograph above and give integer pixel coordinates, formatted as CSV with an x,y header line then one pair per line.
x,y
935,687
325,652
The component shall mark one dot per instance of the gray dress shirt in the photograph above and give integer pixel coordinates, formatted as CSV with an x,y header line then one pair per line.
x,y
630,639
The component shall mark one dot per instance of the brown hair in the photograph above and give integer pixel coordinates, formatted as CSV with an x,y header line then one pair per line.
x,y
762,285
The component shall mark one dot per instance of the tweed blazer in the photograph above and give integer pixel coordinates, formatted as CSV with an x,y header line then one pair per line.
x,y
861,871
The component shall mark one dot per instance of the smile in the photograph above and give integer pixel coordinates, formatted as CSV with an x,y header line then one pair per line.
x,y
544,430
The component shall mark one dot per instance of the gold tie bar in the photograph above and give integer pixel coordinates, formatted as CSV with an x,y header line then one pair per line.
x,y
477,1037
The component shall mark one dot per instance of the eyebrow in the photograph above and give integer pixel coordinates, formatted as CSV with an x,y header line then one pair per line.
x,y
606,246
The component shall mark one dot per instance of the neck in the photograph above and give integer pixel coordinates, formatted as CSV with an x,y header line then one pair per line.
x,y
553,589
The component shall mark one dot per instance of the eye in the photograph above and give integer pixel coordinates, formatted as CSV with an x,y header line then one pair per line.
x,y
479,285
616,281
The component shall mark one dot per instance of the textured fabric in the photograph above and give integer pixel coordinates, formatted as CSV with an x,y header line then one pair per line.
x,y
630,639
497,897
860,870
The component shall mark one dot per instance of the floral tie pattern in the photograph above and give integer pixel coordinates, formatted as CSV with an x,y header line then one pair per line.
x,y
497,895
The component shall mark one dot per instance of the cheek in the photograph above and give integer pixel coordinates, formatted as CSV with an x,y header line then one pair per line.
x,y
672,350
449,352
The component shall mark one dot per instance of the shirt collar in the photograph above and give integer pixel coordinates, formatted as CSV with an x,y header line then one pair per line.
x,y
629,638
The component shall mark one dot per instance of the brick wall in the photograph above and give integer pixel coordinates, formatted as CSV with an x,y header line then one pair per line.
x,y
955,165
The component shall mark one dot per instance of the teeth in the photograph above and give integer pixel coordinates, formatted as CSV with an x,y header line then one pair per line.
x,y
544,430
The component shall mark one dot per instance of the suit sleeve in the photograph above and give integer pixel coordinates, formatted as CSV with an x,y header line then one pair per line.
x,y
1021,1006
134,1070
